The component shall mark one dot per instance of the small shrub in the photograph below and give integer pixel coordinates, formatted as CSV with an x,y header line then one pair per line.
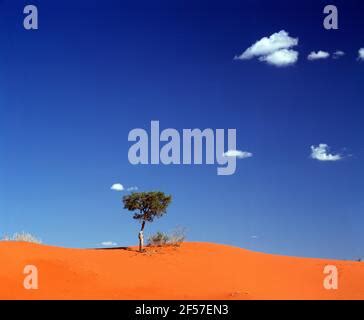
x,y
23,236
175,238
158,239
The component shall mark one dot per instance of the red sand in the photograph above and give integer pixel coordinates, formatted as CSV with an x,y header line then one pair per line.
x,y
192,271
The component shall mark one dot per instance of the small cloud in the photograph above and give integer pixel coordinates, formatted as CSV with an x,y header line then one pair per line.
x,y
117,187
238,154
267,45
318,55
274,50
132,189
109,244
338,53
254,237
321,153
361,54
281,58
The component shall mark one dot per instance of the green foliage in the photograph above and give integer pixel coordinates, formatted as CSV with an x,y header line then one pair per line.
x,y
147,205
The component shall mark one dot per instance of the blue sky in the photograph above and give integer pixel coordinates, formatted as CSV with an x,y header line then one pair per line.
x,y
71,91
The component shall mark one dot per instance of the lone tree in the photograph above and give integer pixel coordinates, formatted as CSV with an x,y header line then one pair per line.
x,y
146,207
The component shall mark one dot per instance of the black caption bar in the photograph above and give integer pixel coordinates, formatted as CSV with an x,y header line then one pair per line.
x,y
201,309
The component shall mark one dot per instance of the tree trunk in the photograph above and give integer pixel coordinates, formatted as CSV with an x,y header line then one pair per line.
x,y
141,238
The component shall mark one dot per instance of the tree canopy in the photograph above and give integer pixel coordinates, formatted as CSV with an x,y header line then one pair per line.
x,y
147,205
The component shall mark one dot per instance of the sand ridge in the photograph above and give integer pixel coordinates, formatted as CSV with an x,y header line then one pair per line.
x,y
195,270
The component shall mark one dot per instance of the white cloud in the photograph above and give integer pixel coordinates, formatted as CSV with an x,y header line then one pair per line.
x,y
238,154
321,153
361,54
318,55
338,53
108,243
267,45
254,237
281,58
274,50
117,187
132,189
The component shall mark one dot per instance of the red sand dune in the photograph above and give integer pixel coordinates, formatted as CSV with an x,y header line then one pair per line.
x,y
192,271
